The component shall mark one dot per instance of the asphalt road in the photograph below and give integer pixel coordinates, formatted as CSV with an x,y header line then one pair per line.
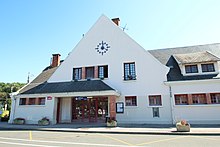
x,y
67,139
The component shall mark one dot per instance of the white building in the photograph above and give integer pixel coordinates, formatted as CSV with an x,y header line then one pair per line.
x,y
109,75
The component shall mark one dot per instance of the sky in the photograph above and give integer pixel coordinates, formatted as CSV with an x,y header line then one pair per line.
x,y
32,30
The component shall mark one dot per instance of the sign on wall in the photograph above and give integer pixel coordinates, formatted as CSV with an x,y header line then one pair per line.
x,y
49,98
120,107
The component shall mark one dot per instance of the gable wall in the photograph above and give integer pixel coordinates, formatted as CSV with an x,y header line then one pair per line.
x,y
150,72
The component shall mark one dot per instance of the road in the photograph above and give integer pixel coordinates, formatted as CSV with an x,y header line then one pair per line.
x,y
67,139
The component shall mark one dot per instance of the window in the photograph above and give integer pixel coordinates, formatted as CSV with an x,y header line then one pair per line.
x,y
89,72
131,101
181,99
155,100
208,67
32,101
41,101
77,73
215,98
103,71
191,69
22,101
199,99
129,71
155,112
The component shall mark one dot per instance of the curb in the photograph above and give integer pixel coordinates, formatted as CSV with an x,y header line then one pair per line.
x,y
112,132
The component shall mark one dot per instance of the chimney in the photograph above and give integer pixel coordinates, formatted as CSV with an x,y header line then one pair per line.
x,y
56,60
116,21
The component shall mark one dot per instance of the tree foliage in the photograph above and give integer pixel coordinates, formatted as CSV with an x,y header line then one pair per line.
x,y
6,89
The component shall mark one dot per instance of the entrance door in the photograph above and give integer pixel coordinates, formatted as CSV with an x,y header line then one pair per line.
x,y
89,109
58,110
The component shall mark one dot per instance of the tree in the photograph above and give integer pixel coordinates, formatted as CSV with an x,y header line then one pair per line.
x,y
5,90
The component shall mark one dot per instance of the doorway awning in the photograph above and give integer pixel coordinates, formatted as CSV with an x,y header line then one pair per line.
x,y
72,88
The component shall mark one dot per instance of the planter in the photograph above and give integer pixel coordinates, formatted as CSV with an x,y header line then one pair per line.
x,y
43,122
19,121
112,123
183,128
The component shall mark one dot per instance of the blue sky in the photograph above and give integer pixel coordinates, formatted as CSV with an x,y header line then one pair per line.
x,y
32,30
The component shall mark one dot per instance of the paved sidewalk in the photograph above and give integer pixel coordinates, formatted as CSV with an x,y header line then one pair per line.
x,y
123,129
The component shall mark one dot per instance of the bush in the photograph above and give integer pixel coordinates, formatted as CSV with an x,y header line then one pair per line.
x,y
44,121
19,121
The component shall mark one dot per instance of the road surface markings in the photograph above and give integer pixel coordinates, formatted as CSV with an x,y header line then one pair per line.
x,y
30,135
60,142
117,140
161,140
24,144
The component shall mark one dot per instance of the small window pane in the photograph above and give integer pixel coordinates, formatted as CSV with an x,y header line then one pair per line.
x,y
22,101
181,99
103,71
41,101
129,71
77,73
130,101
199,99
155,100
215,98
32,101
191,69
155,112
208,67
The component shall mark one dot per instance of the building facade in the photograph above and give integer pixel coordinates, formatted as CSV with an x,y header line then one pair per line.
x,y
108,74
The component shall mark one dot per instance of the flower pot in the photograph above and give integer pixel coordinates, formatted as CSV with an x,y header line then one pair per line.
x,y
183,128
112,123
43,122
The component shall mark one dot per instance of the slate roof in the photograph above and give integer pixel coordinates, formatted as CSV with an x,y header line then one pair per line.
x,y
199,57
73,86
163,55
167,57
41,78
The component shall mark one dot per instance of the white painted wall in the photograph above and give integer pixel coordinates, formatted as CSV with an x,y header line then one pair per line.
x,y
150,72
33,113
197,114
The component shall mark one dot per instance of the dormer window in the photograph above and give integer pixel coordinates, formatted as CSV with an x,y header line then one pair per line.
x,y
191,68
208,67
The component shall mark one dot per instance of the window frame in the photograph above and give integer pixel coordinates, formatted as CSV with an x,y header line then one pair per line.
x,y
181,99
156,114
40,100
133,100
189,69
77,73
198,99
209,67
22,101
213,96
103,71
92,72
155,99
129,71
32,101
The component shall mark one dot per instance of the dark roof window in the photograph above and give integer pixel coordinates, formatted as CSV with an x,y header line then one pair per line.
x,y
191,69
208,67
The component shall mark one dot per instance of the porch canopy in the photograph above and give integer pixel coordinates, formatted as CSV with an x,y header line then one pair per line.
x,y
69,89
87,88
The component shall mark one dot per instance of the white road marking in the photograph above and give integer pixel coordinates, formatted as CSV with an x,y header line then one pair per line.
x,y
23,144
60,142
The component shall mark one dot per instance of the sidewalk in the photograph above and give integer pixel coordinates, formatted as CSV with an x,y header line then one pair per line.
x,y
122,129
